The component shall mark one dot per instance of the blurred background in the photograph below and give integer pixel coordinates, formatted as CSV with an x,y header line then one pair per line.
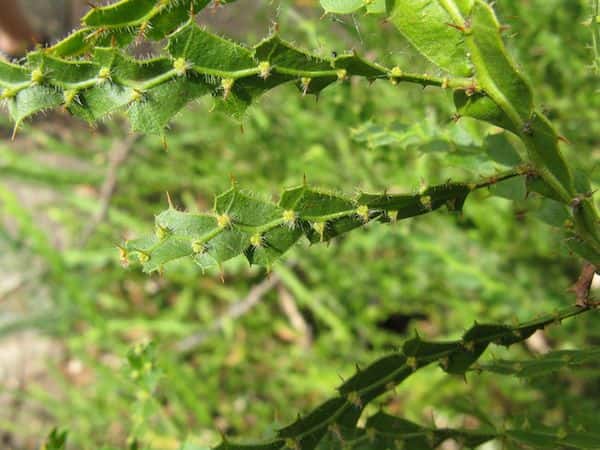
x,y
244,355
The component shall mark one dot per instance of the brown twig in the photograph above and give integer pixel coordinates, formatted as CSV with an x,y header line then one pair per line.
x,y
119,154
236,310
290,309
581,288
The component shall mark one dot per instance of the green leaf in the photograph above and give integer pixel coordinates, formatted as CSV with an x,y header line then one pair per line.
x,y
153,111
120,14
209,53
495,71
154,90
343,6
481,107
263,231
33,100
56,440
512,189
377,7
334,421
500,149
425,24
553,213
544,364
13,75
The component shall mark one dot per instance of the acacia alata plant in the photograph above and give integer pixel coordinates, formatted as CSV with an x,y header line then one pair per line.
x,y
91,75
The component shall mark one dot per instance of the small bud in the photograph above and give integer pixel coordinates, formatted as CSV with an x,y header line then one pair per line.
x,y
265,69
256,240
319,227
181,66
123,256
292,444
198,247
7,94
411,362
104,75
342,74
396,72
305,83
469,345
363,212
136,95
289,217
37,76
227,84
445,83
143,257
354,399
223,220
425,201
68,96
161,232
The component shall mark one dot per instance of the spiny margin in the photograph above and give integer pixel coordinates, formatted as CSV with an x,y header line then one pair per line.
x,y
121,22
384,431
197,63
327,422
263,231
544,364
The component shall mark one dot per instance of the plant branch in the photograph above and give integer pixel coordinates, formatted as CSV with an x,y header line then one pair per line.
x,y
118,155
235,311
343,411
243,224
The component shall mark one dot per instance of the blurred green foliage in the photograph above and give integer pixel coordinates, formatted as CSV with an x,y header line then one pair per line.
x,y
356,298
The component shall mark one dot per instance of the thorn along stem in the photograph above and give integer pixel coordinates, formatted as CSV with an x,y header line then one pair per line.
x,y
317,227
370,383
74,79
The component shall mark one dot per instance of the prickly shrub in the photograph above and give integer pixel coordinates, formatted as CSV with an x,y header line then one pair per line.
x,y
91,75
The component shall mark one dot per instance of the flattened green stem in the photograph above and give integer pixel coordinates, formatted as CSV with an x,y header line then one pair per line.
x,y
459,83
504,176
160,79
234,75
360,210
586,219
162,5
388,380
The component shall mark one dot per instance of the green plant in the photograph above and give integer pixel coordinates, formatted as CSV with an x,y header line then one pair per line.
x,y
461,38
